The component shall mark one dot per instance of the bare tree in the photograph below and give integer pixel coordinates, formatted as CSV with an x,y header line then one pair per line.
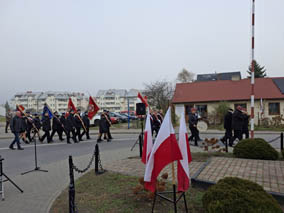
x,y
185,76
159,94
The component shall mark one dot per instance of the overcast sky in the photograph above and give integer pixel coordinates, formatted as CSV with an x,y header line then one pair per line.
x,y
87,45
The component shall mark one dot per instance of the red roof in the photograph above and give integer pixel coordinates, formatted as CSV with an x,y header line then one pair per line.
x,y
226,90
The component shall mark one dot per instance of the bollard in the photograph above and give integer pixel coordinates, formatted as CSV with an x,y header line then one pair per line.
x,y
97,159
281,141
71,187
140,145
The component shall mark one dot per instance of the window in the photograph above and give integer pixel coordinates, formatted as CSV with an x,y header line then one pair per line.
x,y
274,108
243,105
202,110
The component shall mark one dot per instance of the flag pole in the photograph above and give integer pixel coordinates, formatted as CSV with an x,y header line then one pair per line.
x,y
173,174
252,70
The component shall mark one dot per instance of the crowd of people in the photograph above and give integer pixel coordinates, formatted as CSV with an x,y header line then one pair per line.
x,y
236,125
28,127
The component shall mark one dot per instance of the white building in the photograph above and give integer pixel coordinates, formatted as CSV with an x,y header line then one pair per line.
x,y
116,100
57,101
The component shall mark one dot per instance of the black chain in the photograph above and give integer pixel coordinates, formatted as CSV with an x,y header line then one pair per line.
x,y
275,139
86,169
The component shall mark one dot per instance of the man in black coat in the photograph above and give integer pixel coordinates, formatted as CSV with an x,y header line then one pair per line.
x,y
78,124
156,123
16,126
104,122
37,125
86,121
63,122
237,125
29,126
193,120
70,127
228,126
245,129
46,127
56,126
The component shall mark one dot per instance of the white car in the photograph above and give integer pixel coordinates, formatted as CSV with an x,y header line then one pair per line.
x,y
95,121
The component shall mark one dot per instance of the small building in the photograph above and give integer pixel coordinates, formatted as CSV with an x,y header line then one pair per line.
x,y
206,95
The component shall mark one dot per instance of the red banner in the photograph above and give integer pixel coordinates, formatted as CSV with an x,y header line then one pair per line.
x,y
93,108
71,106
144,100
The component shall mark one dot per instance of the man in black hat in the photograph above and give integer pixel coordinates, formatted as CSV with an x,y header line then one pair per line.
x,y
15,126
70,127
193,120
46,127
104,123
228,126
56,126
86,121
63,122
29,121
37,125
78,124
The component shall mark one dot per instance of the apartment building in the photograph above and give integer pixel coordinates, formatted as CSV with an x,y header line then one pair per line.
x,y
117,100
57,101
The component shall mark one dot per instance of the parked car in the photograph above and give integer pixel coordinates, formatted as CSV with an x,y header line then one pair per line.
x,y
131,117
120,118
96,120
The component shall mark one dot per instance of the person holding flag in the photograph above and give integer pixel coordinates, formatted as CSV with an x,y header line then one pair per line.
x,y
86,121
70,126
46,125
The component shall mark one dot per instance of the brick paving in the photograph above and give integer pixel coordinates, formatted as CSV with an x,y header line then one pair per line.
x,y
269,174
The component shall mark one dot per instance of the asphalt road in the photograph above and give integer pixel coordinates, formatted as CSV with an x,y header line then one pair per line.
x,y
18,161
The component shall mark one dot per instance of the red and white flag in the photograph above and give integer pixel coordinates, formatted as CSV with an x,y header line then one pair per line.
x,y
148,140
144,100
182,168
164,151
71,105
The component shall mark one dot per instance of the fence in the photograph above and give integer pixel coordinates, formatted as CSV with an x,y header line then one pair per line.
x,y
98,170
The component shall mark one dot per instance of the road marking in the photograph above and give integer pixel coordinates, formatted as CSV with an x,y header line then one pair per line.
x,y
58,143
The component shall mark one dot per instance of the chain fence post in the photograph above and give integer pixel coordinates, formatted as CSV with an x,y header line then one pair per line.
x,y
71,187
97,159
281,141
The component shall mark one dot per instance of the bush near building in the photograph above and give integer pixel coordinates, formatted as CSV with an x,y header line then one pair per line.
x,y
256,148
236,195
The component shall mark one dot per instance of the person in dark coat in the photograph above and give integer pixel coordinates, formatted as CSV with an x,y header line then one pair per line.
x,y
156,123
70,127
56,127
228,126
86,121
46,127
237,125
29,121
193,120
63,122
108,126
104,122
8,120
16,128
245,129
24,127
78,124
37,126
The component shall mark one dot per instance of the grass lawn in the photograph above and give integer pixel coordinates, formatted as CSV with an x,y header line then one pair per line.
x,y
112,192
2,119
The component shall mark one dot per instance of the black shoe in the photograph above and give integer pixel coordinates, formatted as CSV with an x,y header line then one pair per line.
x,y
99,140
20,148
88,138
12,148
108,140
69,142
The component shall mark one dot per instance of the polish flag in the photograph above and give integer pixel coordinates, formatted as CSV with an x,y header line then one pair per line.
x,y
144,100
182,168
148,140
164,151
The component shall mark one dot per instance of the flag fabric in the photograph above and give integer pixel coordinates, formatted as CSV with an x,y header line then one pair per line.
x,y
20,108
71,106
93,108
47,110
148,140
144,101
182,167
164,151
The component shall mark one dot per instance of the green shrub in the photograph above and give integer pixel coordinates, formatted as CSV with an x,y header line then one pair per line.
x,y
234,195
255,149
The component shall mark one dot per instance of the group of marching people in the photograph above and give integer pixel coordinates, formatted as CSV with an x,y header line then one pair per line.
x,y
27,127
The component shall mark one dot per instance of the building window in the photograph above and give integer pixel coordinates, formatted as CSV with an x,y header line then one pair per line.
x,y
274,108
202,110
243,105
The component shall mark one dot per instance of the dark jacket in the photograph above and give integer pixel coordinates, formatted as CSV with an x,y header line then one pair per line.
x,y
245,122
86,121
24,125
78,123
70,123
103,124
37,123
156,122
192,119
228,121
29,122
63,120
46,126
237,120
16,124
56,125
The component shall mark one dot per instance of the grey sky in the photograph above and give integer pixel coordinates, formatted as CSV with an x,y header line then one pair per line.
x,y
72,45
